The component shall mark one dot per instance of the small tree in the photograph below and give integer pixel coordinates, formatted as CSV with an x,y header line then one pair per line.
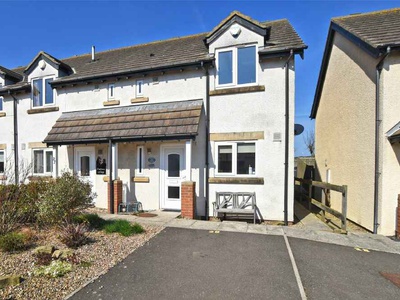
x,y
309,141
24,170
64,197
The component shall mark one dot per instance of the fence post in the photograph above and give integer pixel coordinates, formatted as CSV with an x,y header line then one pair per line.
x,y
344,209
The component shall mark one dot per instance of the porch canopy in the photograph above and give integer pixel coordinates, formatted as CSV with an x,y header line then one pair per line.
x,y
161,121
394,134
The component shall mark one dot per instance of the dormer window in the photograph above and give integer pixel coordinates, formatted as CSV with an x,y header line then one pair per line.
x,y
42,92
236,66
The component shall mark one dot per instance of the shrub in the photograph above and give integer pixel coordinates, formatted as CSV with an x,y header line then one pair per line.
x,y
73,235
63,199
12,241
29,197
93,220
56,268
123,227
10,212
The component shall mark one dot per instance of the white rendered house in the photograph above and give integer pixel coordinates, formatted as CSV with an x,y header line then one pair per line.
x,y
208,108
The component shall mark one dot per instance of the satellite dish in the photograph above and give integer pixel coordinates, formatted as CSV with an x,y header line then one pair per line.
x,y
298,129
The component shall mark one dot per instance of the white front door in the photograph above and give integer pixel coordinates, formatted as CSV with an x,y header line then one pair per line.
x,y
85,164
172,170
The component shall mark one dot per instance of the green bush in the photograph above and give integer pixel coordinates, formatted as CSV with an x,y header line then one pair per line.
x,y
93,220
56,268
123,227
63,199
73,235
12,241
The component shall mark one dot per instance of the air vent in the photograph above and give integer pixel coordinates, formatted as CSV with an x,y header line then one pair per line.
x,y
277,137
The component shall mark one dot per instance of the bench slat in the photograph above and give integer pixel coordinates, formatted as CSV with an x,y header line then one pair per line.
x,y
235,211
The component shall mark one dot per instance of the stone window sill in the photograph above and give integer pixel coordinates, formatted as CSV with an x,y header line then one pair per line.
x,y
237,180
106,178
2,114
111,103
140,100
42,110
141,179
238,90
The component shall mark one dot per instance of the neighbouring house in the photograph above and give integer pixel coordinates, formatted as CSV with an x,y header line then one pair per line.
x,y
171,120
357,113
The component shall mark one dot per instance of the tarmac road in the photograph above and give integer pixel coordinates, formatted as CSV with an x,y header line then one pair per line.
x,y
198,264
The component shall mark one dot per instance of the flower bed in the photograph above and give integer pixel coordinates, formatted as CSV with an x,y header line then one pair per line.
x,y
96,257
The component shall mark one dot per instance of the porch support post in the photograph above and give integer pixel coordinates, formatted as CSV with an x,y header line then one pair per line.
x,y
115,161
110,176
188,155
55,159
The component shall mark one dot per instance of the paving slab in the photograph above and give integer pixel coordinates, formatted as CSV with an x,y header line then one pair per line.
x,y
256,228
205,225
182,223
233,226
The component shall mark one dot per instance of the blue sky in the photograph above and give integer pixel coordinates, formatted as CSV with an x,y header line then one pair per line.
x,y
67,28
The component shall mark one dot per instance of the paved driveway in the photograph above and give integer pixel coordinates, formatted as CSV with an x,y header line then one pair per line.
x,y
196,264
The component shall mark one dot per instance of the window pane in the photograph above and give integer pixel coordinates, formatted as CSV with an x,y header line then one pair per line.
x,y
246,65
173,192
38,162
225,67
173,165
49,92
246,158
140,159
1,103
225,159
37,92
2,162
49,161
85,166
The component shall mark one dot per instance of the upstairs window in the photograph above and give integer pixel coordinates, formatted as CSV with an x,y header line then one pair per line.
x,y
139,88
111,91
236,66
1,104
42,93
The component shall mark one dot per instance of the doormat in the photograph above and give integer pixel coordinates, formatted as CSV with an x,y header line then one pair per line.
x,y
146,215
394,278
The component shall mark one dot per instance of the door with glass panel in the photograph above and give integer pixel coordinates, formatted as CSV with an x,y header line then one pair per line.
x,y
172,170
85,165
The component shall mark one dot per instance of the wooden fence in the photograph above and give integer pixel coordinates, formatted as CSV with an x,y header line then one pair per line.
x,y
326,187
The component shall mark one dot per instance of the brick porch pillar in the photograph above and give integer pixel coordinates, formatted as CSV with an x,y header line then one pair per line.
x,y
117,195
398,218
188,199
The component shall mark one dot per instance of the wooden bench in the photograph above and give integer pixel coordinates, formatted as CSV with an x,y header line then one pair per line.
x,y
235,203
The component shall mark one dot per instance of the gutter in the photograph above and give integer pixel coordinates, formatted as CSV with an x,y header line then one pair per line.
x,y
286,192
16,157
378,121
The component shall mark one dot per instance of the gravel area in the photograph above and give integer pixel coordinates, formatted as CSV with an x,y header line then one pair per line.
x,y
105,251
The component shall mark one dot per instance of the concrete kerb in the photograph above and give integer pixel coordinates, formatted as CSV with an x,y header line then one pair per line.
x,y
357,240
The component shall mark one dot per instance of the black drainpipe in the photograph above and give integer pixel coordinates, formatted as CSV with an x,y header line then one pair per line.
x,y
16,157
377,139
110,181
286,193
207,105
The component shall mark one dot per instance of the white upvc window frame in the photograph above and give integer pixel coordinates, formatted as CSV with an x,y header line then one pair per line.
x,y
43,91
4,162
45,150
234,66
139,88
140,160
234,145
1,103
111,91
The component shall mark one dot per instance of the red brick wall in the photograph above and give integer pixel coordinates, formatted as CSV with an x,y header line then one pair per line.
x,y
398,218
188,200
117,195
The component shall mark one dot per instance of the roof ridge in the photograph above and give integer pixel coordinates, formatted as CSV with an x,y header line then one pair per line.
x,y
274,21
138,45
367,13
